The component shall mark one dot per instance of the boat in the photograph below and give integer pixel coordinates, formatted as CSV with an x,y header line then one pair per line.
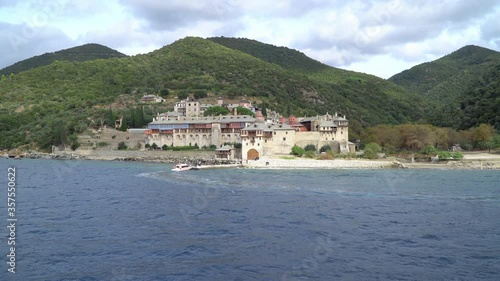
x,y
182,167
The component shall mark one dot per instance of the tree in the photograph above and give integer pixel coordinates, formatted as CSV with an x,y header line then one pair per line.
x,y
244,111
164,93
154,146
110,118
200,94
182,95
137,117
216,110
164,147
371,150
483,135
264,110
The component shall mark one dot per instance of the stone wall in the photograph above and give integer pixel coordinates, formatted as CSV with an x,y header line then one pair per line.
x,y
112,137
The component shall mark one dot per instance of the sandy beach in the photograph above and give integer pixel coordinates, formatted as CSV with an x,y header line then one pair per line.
x,y
476,161
306,163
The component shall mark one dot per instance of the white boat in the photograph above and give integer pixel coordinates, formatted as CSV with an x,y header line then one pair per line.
x,y
182,167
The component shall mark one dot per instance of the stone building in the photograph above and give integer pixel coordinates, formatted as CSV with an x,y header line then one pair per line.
x,y
201,131
275,138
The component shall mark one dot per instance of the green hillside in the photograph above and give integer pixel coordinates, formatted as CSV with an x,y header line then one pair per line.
x,y
50,104
366,94
479,104
78,54
282,56
460,87
449,77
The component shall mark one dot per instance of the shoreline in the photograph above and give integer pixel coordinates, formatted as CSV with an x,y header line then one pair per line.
x,y
205,160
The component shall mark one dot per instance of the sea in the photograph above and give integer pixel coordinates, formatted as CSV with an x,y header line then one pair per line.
x,y
120,221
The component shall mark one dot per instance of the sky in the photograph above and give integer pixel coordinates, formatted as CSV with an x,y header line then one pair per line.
x,y
377,37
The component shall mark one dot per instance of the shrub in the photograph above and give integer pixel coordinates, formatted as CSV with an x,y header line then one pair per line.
x,y
332,153
154,146
164,147
325,148
429,150
180,148
122,146
466,146
351,155
212,147
444,155
75,145
457,155
297,150
310,154
102,144
325,156
113,136
147,146
310,147
371,150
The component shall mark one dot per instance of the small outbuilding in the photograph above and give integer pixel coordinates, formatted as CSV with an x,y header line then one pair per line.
x,y
225,152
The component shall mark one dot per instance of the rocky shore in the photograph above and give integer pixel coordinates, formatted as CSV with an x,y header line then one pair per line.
x,y
206,159
132,157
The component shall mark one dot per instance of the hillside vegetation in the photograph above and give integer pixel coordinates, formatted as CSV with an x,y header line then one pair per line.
x,y
366,96
78,54
461,88
479,104
50,104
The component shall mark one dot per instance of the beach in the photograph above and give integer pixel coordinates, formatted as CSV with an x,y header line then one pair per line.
x,y
307,163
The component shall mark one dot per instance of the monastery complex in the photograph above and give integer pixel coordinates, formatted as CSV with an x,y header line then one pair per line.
x,y
259,136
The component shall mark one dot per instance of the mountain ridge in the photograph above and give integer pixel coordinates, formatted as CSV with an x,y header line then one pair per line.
x,y
89,51
449,85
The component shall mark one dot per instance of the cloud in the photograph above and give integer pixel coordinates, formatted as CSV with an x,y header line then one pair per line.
x,y
19,42
170,15
343,34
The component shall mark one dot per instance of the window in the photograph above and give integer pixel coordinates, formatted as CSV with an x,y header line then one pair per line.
x,y
284,139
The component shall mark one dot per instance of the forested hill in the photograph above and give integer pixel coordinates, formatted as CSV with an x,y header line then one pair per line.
x,y
479,104
282,56
78,54
447,78
461,88
50,104
364,91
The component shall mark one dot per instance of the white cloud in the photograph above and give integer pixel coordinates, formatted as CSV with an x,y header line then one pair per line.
x,y
351,35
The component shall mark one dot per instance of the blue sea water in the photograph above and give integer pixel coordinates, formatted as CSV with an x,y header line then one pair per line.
x,y
97,220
